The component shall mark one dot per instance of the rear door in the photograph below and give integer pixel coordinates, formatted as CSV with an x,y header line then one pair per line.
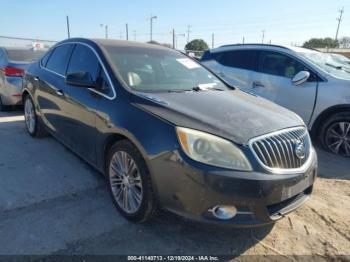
x,y
237,67
274,82
50,88
81,102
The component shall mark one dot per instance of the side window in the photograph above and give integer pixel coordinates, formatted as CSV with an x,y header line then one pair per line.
x,y
45,58
103,83
84,60
278,64
243,59
59,59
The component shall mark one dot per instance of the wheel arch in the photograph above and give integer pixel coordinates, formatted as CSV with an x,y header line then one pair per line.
x,y
113,138
326,114
25,93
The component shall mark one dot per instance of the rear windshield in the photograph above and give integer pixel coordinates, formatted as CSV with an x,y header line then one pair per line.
x,y
159,70
23,55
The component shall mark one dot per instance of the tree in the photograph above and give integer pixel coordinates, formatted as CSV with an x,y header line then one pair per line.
x,y
321,43
344,42
197,45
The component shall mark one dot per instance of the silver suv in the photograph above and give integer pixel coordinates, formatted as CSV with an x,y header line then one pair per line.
x,y
310,83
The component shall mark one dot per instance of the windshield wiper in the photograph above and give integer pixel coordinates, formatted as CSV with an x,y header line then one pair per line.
x,y
194,89
335,66
181,90
198,88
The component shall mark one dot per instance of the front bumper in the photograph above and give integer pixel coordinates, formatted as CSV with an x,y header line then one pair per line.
x,y
191,189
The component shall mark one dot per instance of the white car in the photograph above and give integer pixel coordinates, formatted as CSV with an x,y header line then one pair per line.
x,y
308,82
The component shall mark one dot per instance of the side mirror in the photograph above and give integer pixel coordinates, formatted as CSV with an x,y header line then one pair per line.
x,y
82,79
300,78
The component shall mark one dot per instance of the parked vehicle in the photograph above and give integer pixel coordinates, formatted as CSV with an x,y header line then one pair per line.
x,y
13,63
166,132
308,82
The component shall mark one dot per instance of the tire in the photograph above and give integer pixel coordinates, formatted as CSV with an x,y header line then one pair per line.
x,y
133,182
2,106
34,127
334,134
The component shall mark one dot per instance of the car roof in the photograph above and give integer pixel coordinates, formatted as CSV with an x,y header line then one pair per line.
x,y
263,47
114,43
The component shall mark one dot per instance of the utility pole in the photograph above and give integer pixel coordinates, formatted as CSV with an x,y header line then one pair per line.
x,y
173,38
106,30
176,37
263,36
339,21
212,40
243,40
188,33
127,31
151,25
68,30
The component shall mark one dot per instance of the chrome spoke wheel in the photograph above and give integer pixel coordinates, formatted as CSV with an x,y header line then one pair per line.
x,y
338,138
125,181
29,115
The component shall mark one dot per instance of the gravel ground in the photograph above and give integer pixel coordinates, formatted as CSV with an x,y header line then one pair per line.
x,y
53,203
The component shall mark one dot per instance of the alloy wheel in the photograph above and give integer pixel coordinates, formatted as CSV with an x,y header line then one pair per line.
x,y
125,181
29,115
338,138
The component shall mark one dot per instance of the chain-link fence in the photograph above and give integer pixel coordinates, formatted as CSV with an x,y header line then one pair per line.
x,y
9,41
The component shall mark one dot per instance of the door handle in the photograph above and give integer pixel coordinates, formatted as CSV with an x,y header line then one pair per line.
x,y
35,78
257,84
59,92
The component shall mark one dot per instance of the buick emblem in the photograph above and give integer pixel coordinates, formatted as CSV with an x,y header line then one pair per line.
x,y
299,149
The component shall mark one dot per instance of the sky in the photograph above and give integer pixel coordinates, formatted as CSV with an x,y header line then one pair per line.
x,y
284,21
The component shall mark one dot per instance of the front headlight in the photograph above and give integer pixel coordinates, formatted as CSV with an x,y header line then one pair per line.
x,y
212,150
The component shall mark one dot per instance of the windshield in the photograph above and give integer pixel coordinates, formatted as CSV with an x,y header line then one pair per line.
x,y
159,70
23,55
327,63
341,59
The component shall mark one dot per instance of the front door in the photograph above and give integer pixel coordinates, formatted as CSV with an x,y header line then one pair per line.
x,y
273,81
81,103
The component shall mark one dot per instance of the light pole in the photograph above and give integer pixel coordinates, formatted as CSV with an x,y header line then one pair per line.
x,y
151,24
106,30
262,36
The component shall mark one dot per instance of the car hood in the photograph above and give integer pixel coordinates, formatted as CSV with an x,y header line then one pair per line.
x,y
234,115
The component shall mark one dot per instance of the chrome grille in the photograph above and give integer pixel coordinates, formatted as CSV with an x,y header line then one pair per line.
x,y
279,150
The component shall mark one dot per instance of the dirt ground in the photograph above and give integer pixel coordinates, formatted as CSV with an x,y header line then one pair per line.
x,y
53,203
322,226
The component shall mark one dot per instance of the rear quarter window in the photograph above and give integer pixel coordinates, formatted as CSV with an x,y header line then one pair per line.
x,y
59,58
45,58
